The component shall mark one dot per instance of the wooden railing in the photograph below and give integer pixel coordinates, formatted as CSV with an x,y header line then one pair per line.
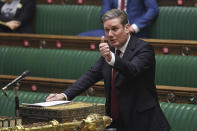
x,y
177,2
99,2
38,84
161,46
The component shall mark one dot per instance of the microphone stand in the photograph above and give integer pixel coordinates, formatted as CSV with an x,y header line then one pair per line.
x,y
16,99
15,81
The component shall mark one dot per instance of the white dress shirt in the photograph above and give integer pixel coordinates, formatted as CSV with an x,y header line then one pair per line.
x,y
122,49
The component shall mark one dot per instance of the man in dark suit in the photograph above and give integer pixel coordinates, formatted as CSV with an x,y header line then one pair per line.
x,y
131,98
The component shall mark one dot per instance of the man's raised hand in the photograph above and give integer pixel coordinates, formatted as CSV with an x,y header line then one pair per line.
x,y
104,49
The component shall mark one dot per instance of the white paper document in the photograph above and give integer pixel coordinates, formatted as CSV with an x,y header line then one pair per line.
x,y
45,104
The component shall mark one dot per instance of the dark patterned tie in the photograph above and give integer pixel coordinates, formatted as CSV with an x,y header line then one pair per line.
x,y
122,6
114,102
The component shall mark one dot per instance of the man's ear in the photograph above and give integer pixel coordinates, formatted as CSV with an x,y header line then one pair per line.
x,y
127,28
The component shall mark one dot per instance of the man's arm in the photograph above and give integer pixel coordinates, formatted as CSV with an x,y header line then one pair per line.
x,y
92,76
152,12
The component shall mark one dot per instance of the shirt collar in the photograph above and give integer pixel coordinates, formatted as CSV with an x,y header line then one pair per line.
x,y
122,49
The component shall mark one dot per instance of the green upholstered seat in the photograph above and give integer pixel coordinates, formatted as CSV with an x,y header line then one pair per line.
x,y
172,23
50,63
175,23
7,103
71,64
66,19
90,99
182,117
176,70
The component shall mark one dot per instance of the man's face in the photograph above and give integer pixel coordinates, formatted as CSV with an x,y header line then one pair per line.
x,y
116,33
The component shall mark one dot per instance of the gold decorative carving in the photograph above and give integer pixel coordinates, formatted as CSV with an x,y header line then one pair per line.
x,y
93,122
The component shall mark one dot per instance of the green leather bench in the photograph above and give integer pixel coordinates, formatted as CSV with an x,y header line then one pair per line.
x,y
171,70
182,117
49,63
66,19
175,22
175,70
7,103
172,22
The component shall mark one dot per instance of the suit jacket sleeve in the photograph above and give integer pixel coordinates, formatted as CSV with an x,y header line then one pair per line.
x,y
152,12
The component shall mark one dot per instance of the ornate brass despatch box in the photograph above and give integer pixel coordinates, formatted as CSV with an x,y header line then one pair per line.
x,y
61,113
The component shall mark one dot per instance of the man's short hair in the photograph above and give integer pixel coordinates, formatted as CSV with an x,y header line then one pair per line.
x,y
116,13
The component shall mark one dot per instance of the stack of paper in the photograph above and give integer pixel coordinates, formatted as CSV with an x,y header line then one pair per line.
x,y
46,104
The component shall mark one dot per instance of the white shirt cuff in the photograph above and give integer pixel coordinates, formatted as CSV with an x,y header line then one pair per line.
x,y
112,59
65,96
135,27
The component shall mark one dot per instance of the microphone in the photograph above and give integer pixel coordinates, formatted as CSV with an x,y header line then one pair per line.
x,y
24,74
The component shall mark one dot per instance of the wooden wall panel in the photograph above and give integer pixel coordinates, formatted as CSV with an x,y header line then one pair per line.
x,y
161,46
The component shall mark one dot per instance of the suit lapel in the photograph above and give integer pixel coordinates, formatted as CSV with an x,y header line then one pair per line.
x,y
129,52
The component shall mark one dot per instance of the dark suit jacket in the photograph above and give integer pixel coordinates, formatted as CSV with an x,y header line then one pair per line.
x,y
134,85
24,14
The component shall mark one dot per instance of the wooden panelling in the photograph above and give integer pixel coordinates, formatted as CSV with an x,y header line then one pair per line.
x,y
47,41
174,47
161,46
38,84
